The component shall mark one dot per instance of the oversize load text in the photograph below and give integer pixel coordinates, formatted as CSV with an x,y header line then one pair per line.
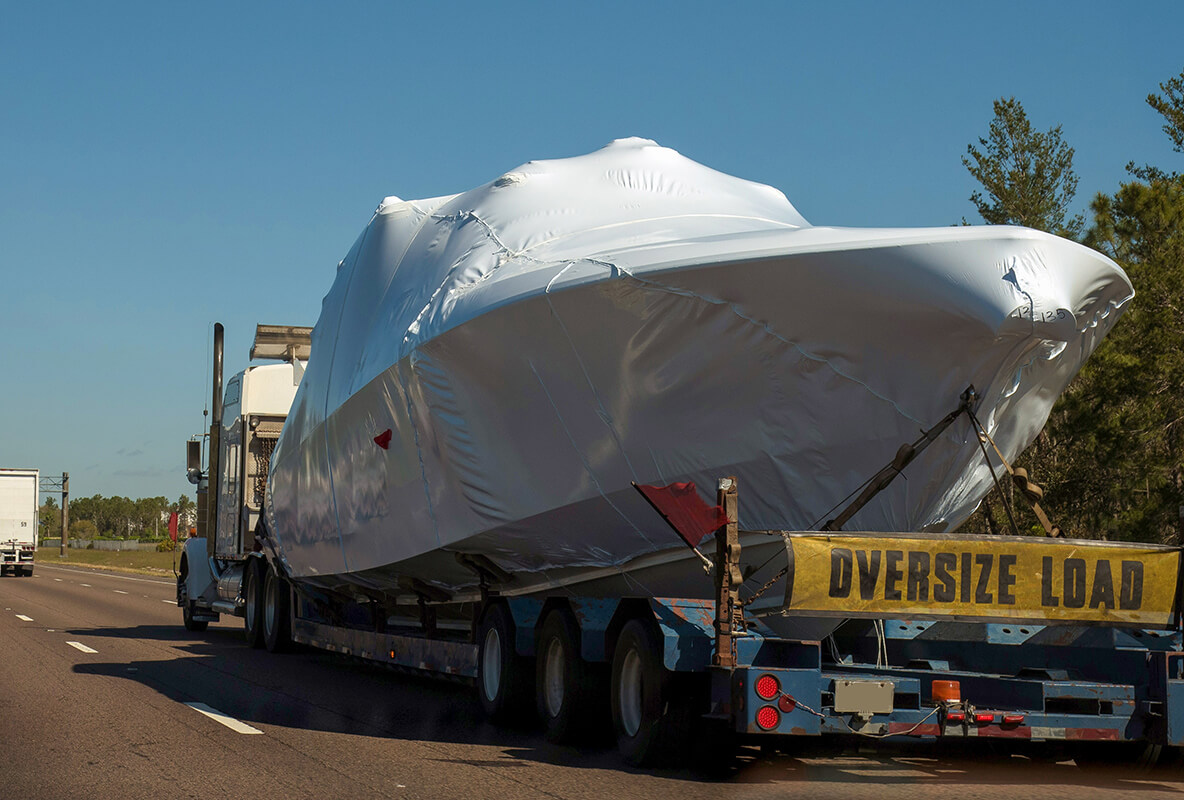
x,y
1010,578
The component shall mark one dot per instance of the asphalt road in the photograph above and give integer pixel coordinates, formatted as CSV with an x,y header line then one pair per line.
x,y
99,683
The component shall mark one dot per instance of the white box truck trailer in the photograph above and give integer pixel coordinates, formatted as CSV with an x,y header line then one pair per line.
x,y
18,520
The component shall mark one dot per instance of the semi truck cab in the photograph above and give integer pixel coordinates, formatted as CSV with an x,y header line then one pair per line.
x,y
247,420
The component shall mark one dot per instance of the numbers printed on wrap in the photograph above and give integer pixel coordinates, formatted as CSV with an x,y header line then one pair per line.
x,y
975,577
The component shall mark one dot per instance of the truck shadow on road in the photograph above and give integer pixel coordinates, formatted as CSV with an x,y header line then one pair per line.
x,y
313,690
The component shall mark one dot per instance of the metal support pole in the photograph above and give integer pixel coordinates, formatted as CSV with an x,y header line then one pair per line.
x,y
65,512
727,575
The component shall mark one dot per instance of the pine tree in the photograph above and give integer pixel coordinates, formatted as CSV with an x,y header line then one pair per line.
x,y
1027,175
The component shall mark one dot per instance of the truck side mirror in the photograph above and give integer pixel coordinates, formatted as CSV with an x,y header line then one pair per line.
x,y
193,460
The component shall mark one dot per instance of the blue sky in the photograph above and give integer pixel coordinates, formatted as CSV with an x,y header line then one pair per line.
x,y
166,165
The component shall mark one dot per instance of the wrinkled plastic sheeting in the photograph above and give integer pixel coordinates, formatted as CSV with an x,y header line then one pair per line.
x,y
536,344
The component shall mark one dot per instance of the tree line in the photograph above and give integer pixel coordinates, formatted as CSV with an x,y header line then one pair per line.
x,y
1111,458
117,517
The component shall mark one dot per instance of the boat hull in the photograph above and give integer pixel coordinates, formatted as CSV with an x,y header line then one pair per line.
x,y
799,369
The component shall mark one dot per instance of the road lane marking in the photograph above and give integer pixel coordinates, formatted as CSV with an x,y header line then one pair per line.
x,y
107,575
87,585
170,602
22,616
82,647
117,591
59,580
225,719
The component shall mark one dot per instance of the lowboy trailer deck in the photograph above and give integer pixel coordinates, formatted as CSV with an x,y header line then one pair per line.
x,y
1070,643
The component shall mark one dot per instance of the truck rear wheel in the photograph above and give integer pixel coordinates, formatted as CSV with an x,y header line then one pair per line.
x,y
503,677
570,693
253,576
188,609
650,720
277,614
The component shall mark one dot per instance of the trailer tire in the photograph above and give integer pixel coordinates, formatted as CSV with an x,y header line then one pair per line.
x,y
277,613
504,679
570,693
1139,757
648,718
253,577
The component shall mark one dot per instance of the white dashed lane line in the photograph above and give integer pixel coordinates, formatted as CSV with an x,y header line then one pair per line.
x,y
225,719
87,585
22,616
59,580
82,647
170,602
117,591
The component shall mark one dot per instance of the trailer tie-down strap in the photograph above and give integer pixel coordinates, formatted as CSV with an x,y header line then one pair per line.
x,y
1019,476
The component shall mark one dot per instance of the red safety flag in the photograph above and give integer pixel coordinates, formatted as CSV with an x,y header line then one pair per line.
x,y
680,505
173,526
383,439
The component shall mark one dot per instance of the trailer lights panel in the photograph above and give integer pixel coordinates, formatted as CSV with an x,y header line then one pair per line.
x,y
984,719
768,718
767,687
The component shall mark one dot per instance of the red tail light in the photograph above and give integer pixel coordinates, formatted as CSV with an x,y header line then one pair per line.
x,y
767,687
956,716
984,719
1013,719
768,718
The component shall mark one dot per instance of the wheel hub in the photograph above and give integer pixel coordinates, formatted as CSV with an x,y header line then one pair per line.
x,y
553,677
491,665
629,693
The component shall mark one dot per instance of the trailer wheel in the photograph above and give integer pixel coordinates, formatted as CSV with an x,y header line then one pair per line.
x,y
1138,757
277,616
253,576
503,677
647,716
570,693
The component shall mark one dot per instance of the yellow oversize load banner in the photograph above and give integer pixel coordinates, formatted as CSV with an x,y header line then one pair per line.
x,y
986,578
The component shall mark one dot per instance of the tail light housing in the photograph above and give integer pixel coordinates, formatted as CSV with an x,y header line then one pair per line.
x,y
767,687
768,718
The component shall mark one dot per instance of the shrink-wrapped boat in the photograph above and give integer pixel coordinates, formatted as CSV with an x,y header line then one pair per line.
x,y
492,370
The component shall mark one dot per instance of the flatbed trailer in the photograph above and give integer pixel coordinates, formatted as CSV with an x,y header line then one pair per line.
x,y
669,671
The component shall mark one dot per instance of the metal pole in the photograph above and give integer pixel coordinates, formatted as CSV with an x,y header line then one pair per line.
x,y
215,466
65,512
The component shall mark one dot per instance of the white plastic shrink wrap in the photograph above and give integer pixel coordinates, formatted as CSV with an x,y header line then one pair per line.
x,y
537,343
